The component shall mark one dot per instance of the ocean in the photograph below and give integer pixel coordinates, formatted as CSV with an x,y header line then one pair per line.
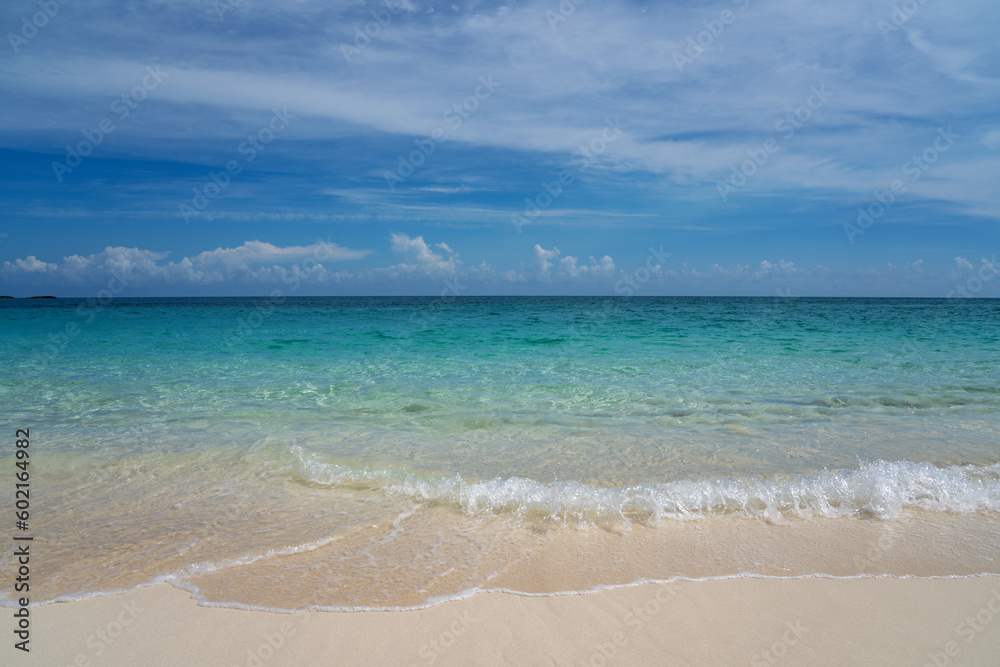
x,y
384,453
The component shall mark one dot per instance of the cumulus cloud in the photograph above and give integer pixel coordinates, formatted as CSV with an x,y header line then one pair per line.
x,y
781,269
600,269
543,259
29,264
420,257
252,262
685,127
545,269
80,269
963,268
431,267
257,253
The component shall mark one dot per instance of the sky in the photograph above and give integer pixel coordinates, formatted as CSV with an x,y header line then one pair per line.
x,y
312,147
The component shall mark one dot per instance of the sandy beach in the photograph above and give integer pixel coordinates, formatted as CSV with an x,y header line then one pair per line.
x,y
547,332
812,621
334,498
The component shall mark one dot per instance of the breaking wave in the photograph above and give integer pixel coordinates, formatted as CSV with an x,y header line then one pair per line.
x,y
881,489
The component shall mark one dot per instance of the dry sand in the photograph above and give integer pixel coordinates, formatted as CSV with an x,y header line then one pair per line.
x,y
732,622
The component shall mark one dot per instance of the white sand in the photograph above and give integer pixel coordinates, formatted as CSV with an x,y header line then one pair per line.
x,y
732,622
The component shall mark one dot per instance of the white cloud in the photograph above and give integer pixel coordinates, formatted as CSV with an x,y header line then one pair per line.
x,y
596,270
962,267
422,258
258,252
558,85
782,269
252,262
431,268
543,260
29,264
953,62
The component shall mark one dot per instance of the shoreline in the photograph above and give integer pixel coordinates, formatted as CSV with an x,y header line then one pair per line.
x,y
471,593
746,620
406,565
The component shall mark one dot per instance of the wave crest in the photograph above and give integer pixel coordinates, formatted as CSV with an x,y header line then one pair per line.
x,y
881,489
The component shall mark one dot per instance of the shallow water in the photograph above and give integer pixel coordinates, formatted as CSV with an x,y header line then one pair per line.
x,y
385,452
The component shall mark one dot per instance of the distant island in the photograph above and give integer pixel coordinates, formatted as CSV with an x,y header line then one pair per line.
x,y
6,297
41,297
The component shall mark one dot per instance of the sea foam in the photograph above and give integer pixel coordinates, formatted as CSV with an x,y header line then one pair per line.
x,y
880,489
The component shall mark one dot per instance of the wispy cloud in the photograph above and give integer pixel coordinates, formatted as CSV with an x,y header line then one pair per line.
x,y
684,129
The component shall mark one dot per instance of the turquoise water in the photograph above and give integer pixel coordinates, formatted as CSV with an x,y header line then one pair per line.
x,y
588,410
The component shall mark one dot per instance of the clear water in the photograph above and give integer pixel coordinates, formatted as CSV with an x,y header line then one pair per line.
x,y
391,451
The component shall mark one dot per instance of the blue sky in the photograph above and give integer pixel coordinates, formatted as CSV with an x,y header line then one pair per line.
x,y
322,147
